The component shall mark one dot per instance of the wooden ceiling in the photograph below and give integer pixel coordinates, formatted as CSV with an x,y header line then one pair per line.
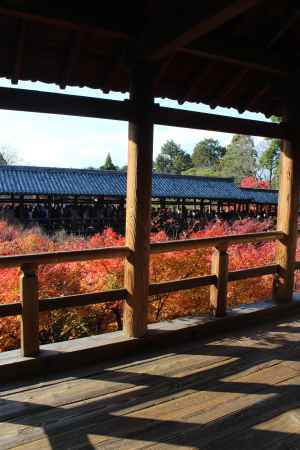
x,y
239,53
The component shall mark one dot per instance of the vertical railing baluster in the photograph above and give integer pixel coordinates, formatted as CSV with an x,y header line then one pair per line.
x,y
218,291
30,310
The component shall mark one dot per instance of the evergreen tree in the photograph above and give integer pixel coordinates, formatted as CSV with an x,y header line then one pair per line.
x,y
202,172
108,165
240,159
207,154
269,161
172,159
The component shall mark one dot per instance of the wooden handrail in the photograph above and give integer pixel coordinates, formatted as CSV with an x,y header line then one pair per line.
x,y
65,256
71,301
122,252
191,244
253,272
177,285
31,305
10,309
297,265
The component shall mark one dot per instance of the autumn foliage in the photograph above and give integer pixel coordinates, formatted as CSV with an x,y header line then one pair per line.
x,y
91,276
252,182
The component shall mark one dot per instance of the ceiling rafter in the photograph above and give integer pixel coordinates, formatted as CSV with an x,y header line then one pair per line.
x,y
278,72
72,58
199,78
281,32
214,21
65,24
227,90
19,53
162,70
260,93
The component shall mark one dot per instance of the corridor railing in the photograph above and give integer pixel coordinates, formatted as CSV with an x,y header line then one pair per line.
x,y
30,304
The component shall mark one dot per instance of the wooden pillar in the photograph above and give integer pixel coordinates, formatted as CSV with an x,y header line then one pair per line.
x,y
138,204
287,214
218,291
30,310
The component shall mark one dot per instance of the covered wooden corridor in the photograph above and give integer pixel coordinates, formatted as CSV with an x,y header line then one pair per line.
x,y
236,391
240,390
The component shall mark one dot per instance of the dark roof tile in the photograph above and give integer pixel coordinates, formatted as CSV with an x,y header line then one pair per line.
x,y
61,181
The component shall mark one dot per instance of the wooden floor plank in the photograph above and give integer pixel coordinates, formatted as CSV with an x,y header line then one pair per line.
x,y
231,392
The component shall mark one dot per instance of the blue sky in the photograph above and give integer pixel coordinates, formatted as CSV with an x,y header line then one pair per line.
x,y
64,141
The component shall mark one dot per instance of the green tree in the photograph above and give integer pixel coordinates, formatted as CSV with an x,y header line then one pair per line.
x,y
202,172
108,165
269,161
240,159
172,159
207,154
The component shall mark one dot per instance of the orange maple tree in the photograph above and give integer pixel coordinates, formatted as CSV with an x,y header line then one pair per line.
x,y
91,276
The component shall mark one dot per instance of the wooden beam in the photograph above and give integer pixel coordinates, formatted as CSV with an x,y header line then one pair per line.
x,y
65,24
214,122
19,53
202,28
288,209
45,102
138,204
70,105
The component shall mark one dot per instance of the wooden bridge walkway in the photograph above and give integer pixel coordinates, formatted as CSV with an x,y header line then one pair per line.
x,y
238,391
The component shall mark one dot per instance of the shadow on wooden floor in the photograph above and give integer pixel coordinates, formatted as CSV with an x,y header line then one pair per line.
x,y
235,392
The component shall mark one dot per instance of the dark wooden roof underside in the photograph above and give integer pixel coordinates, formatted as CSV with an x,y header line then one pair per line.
x,y
239,53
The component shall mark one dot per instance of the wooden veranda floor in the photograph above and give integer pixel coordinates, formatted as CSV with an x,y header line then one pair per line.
x,y
238,391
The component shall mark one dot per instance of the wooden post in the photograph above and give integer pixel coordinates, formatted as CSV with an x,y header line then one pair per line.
x,y
138,204
218,292
30,310
287,213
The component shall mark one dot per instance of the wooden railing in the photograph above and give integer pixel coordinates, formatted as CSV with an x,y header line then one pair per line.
x,y
30,305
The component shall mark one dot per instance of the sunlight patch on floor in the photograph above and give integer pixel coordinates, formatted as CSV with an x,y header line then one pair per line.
x,y
287,422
